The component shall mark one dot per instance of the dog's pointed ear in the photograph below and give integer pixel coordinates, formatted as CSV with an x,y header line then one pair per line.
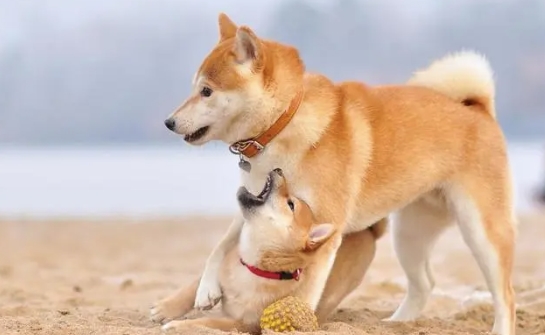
x,y
247,46
227,27
318,235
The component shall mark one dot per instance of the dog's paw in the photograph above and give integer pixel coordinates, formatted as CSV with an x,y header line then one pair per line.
x,y
165,311
398,318
208,295
174,326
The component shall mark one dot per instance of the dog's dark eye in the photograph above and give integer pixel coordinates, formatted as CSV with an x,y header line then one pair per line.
x,y
206,92
291,205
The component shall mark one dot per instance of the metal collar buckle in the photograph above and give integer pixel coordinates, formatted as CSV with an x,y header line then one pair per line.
x,y
238,148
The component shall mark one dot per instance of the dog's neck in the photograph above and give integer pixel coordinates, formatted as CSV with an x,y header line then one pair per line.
x,y
268,256
283,75
283,82
303,132
277,260
251,147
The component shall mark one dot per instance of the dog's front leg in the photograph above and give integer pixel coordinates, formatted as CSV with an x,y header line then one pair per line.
x,y
315,282
351,263
209,291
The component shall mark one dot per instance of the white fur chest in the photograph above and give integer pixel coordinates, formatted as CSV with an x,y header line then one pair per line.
x,y
240,297
246,295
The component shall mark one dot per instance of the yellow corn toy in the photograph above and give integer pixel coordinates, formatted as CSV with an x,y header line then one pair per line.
x,y
289,314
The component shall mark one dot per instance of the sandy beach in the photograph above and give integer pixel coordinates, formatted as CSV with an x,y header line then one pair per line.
x,y
84,276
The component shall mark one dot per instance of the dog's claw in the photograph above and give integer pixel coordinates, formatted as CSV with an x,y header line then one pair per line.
x,y
166,327
156,315
208,296
212,301
176,325
161,314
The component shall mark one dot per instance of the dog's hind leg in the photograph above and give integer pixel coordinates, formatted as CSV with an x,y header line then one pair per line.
x,y
415,231
219,323
175,305
351,263
484,212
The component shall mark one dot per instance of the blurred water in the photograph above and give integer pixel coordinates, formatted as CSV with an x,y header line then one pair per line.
x,y
155,181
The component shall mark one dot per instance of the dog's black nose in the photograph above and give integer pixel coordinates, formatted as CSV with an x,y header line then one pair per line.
x,y
279,172
170,123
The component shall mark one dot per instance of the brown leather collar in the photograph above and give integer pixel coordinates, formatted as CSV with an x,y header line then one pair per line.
x,y
253,146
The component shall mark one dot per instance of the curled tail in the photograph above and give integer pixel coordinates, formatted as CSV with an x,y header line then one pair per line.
x,y
465,76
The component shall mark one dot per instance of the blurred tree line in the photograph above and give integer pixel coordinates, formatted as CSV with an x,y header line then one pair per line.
x,y
115,77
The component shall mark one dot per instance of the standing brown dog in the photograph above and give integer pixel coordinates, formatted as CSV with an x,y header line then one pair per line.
x,y
430,149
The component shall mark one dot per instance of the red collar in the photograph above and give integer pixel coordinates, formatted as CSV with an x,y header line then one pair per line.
x,y
273,275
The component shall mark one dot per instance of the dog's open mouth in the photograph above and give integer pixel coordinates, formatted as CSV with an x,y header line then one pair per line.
x,y
196,135
266,189
249,200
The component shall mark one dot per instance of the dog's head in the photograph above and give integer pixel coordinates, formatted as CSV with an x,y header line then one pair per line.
x,y
240,88
279,228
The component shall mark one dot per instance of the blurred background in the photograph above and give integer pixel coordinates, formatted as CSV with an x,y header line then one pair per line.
x,y
85,87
